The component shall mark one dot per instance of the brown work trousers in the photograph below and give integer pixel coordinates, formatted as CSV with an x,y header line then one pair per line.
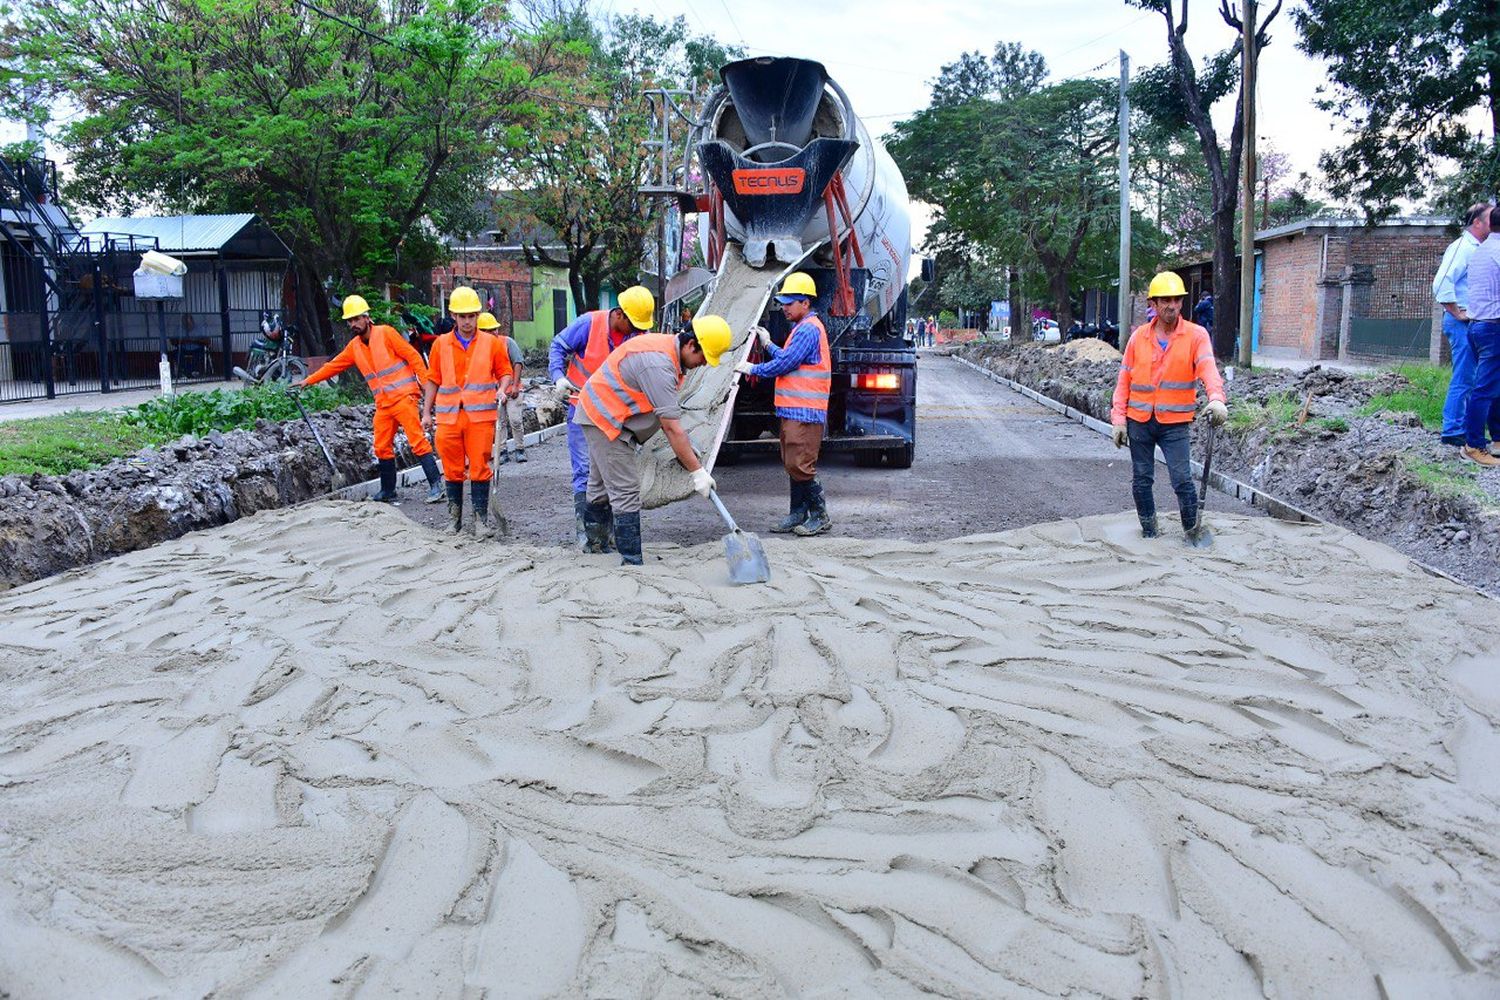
x,y
800,444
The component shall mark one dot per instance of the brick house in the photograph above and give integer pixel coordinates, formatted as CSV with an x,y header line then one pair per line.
x,y
1338,289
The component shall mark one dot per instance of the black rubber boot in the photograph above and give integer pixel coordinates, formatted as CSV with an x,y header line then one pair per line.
x,y
798,509
596,523
455,507
434,479
580,504
520,455
484,521
628,538
1149,528
1195,533
817,512
387,481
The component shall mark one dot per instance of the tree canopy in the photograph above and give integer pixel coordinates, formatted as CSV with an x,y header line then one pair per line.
x,y
1416,81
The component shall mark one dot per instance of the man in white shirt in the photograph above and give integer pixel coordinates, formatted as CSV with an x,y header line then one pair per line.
x,y
1451,290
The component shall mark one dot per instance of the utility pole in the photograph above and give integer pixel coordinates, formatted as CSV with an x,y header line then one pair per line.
x,y
1247,175
1124,321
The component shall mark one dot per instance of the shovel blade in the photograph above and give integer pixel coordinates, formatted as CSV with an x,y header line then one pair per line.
x,y
1203,538
747,559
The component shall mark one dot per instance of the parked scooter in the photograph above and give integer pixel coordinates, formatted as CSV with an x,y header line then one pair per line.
x,y
272,356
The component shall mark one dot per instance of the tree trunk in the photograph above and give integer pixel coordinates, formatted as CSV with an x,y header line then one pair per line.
x,y
1015,304
581,302
1057,284
1226,282
313,320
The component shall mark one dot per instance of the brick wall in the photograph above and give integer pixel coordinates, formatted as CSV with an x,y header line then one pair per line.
x,y
1403,262
495,276
1291,266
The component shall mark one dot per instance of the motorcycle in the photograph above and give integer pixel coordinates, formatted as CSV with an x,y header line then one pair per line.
x,y
272,356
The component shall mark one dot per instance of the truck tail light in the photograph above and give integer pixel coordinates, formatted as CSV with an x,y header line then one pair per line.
x,y
883,382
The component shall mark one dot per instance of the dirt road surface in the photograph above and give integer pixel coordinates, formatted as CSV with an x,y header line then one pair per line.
x,y
988,459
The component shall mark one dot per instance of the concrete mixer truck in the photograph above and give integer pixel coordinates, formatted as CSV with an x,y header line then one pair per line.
x,y
796,182
793,181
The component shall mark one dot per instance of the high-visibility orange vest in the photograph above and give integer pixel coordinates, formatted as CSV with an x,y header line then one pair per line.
x,y
806,387
608,399
582,366
480,400
390,378
1173,399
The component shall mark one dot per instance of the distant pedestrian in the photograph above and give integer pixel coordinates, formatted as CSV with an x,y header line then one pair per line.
x,y
921,332
932,329
1483,312
1450,288
1203,312
1156,399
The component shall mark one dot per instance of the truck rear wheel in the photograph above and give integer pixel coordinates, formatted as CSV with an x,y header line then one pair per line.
x,y
868,458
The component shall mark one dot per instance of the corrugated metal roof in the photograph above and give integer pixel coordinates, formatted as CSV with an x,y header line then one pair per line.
x,y
178,233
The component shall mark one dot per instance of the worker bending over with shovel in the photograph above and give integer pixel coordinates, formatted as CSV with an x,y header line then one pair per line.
x,y
1156,399
470,371
576,353
635,392
803,370
394,371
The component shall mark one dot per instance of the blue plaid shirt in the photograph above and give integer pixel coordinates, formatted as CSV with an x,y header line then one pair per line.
x,y
801,348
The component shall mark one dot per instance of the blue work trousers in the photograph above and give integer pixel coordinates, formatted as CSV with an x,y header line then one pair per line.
x,y
1175,441
1457,404
1484,402
578,454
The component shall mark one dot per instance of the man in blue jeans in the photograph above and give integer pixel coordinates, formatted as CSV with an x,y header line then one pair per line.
x,y
1484,342
1451,290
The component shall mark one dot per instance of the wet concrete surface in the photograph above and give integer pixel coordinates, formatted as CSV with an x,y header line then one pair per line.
x,y
988,459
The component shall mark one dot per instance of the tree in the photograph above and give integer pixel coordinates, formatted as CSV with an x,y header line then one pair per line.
x,y
1189,103
348,133
579,178
1011,71
1407,76
1022,173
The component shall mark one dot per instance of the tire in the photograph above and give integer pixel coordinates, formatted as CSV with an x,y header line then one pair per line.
x,y
868,458
727,456
901,458
285,370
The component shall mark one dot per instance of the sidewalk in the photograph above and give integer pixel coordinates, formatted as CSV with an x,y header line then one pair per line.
x,y
92,401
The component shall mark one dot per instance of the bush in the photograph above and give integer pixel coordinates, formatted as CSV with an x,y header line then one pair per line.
x,y
197,413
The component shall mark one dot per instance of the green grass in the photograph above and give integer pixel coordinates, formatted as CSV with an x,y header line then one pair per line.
x,y
1278,413
1424,397
66,442
1449,479
1336,424
69,441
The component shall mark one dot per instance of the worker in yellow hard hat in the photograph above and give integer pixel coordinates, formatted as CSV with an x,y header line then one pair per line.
x,y
632,394
511,409
576,353
394,372
1156,399
470,371
803,370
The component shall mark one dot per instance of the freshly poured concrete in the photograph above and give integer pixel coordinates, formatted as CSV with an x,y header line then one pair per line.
x,y
325,751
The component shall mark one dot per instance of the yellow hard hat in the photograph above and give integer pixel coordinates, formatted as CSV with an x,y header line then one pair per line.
x,y
1166,285
464,300
798,283
713,336
487,321
639,306
355,305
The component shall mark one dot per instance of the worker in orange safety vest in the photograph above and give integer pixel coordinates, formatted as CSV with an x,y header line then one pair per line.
x,y
394,371
633,394
470,369
1155,402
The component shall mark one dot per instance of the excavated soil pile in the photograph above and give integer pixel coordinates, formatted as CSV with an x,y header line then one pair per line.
x,y
1383,476
1088,349
52,523
325,750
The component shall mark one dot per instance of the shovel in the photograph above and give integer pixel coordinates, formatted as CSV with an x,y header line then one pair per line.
x,y
746,557
338,477
1204,538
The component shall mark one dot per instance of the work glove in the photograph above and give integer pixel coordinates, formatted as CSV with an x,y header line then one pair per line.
x,y
1217,413
1117,434
565,387
744,368
762,334
703,483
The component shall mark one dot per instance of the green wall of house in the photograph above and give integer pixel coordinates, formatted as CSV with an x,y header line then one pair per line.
x,y
546,283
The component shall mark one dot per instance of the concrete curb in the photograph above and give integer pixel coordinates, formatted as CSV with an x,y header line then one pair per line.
x,y
1273,506
413,476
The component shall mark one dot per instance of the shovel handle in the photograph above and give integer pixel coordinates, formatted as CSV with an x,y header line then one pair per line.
x,y
723,511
